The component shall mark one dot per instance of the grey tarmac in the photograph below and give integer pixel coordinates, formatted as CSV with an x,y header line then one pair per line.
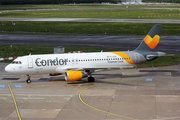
x,y
168,44
93,20
124,93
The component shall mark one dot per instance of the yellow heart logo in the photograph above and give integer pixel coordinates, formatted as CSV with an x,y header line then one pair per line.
x,y
152,42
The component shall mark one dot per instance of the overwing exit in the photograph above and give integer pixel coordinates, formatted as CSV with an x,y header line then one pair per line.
x,y
81,65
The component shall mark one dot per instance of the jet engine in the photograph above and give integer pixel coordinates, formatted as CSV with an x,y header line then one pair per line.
x,y
74,75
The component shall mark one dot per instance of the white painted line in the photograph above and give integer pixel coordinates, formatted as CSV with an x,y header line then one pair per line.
x,y
4,98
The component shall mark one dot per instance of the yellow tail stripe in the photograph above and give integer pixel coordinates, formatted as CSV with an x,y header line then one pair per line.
x,y
14,102
123,55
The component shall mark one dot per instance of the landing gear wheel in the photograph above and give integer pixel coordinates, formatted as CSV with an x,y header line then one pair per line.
x,y
91,79
28,81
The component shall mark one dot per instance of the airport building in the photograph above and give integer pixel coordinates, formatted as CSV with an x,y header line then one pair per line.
x,y
131,1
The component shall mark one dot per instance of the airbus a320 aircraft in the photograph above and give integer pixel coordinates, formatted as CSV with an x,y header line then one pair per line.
x,y
80,65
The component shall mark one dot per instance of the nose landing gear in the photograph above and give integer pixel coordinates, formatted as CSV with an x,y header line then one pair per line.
x,y
28,79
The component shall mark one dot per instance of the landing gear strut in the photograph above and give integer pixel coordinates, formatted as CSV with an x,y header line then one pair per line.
x,y
28,79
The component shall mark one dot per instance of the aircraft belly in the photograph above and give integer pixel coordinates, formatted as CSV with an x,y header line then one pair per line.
x,y
107,65
43,70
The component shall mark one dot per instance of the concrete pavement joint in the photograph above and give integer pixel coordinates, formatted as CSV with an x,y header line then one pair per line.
x,y
68,100
97,108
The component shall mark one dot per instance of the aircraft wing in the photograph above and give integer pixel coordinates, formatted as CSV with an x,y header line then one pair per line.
x,y
86,69
97,69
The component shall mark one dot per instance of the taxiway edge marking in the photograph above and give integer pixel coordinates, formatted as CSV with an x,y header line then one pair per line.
x,y
100,109
14,102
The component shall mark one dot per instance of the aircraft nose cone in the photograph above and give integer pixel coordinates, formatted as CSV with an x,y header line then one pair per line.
x,y
8,68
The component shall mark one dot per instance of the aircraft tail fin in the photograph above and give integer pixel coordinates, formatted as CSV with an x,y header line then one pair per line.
x,y
151,40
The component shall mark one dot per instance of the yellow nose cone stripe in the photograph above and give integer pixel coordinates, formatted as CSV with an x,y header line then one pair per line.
x,y
125,57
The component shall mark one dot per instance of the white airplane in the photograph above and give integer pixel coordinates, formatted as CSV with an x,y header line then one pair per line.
x,y
80,65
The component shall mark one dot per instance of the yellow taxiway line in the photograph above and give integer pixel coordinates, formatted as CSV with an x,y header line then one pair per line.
x,y
14,102
100,109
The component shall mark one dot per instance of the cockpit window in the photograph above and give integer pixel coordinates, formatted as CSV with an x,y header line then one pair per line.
x,y
16,62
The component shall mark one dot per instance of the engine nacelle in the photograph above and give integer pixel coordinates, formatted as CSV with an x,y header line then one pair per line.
x,y
74,75
55,74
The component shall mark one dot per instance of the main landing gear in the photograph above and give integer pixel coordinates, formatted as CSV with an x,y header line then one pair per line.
x,y
90,79
28,79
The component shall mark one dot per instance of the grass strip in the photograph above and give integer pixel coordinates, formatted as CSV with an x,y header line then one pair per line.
x,y
163,61
88,28
14,51
96,13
